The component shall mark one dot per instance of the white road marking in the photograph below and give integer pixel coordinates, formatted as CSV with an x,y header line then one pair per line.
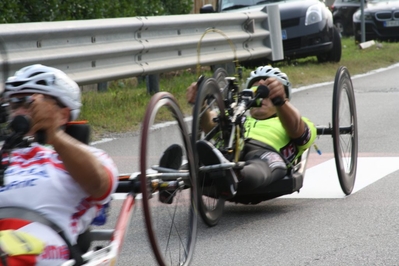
x,y
321,181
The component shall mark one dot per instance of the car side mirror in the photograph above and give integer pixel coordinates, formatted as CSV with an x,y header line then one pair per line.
x,y
208,8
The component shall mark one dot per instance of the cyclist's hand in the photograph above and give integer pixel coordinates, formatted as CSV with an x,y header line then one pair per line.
x,y
191,93
45,115
276,88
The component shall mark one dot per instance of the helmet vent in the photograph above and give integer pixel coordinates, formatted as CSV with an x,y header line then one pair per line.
x,y
35,74
42,82
16,83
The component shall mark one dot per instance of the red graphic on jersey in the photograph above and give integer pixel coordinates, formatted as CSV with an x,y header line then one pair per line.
x,y
36,155
52,252
82,208
289,151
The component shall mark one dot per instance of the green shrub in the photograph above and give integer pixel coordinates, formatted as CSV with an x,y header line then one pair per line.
x,y
20,11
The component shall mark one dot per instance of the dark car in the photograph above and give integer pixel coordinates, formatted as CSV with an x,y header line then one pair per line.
x,y
307,26
381,19
343,11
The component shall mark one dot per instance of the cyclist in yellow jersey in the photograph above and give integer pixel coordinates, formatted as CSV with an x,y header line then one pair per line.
x,y
275,134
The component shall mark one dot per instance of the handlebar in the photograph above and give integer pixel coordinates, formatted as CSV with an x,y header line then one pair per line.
x,y
247,100
263,92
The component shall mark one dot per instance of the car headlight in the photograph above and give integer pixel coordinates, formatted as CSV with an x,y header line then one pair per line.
x,y
313,15
367,16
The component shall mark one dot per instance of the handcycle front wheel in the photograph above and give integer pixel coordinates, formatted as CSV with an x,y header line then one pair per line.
x,y
209,97
345,131
169,193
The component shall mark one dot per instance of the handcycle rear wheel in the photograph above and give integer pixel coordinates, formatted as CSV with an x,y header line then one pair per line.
x,y
220,75
171,223
345,131
210,204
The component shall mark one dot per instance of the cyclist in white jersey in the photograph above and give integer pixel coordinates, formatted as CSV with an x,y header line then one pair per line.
x,y
65,181
275,134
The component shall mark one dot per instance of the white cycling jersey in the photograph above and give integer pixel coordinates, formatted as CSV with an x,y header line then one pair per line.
x,y
37,179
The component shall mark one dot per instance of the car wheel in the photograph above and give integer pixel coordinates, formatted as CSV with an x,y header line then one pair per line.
x,y
334,55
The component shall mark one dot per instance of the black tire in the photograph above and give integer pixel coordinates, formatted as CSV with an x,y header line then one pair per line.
x,y
334,55
210,204
171,225
220,75
345,131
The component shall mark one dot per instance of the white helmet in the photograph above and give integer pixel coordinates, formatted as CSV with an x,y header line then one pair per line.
x,y
48,81
265,72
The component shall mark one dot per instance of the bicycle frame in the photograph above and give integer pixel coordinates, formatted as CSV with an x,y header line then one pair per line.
x,y
108,255
130,184
237,103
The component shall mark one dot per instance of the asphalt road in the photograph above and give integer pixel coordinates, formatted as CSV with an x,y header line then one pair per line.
x,y
360,229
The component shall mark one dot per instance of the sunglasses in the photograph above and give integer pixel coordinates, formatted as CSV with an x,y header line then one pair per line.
x,y
25,102
20,102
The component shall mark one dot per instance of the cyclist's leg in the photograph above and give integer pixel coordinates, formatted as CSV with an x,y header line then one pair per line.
x,y
225,180
262,167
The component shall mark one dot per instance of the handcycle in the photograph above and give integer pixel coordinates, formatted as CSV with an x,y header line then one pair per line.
x,y
171,221
227,135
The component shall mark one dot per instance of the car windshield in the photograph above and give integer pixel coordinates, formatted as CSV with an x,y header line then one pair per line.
x,y
233,4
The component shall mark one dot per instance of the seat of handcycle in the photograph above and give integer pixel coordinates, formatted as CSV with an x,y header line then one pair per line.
x,y
79,130
28,215
291,183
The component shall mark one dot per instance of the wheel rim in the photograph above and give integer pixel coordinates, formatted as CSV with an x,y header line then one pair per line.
x,y
171,228
346,141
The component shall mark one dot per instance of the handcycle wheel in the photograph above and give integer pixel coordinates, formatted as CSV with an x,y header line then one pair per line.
x,y
171,221
344,133
210,204
220,75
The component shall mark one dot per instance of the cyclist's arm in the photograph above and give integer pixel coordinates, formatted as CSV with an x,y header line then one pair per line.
x,y
82,165
291,120
288,114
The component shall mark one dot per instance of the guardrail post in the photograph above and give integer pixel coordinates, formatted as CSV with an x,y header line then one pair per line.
x,y
152,83
102,86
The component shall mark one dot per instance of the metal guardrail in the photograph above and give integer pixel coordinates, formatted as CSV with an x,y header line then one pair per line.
x,y
93,51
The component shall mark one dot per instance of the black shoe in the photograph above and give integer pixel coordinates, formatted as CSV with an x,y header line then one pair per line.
x,y
225,180
171,158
